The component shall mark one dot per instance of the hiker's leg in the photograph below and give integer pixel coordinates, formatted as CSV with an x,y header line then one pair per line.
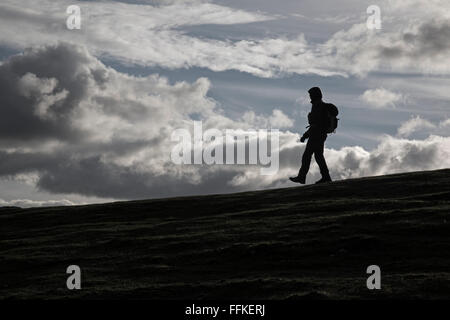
x,y
320,159
306,158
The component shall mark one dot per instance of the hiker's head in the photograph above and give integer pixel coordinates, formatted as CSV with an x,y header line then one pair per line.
x,y
315,94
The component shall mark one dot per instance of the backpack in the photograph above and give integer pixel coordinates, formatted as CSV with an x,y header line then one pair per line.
x,y
332,113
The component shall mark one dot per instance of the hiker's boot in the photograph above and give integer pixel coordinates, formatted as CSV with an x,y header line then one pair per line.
x,y
325,179
298,179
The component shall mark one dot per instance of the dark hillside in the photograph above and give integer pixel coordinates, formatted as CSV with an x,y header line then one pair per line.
x,y
300,242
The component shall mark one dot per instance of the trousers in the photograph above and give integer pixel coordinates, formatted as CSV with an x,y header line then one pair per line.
x,y
315,145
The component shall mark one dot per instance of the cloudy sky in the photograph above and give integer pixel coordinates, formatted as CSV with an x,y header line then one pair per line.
x,y
87,115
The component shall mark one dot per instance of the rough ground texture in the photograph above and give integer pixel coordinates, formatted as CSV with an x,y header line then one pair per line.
x,y
312,242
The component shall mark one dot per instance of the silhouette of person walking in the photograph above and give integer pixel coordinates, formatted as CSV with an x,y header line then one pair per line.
x,y
319,127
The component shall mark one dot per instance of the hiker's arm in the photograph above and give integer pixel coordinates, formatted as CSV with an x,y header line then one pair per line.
x,y
305,135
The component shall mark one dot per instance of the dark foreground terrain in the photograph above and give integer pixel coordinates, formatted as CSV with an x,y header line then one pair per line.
x,y
312,242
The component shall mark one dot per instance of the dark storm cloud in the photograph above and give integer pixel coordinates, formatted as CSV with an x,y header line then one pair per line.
x,y
65,173
42,88
19,162
92,177
430,40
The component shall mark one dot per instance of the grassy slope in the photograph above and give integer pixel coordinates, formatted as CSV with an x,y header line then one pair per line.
x,y
300,242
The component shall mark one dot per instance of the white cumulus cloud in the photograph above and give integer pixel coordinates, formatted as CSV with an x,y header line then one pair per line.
x,y
154,35
381,98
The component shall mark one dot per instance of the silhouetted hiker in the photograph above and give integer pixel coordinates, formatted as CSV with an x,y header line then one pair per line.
x,y
322,120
